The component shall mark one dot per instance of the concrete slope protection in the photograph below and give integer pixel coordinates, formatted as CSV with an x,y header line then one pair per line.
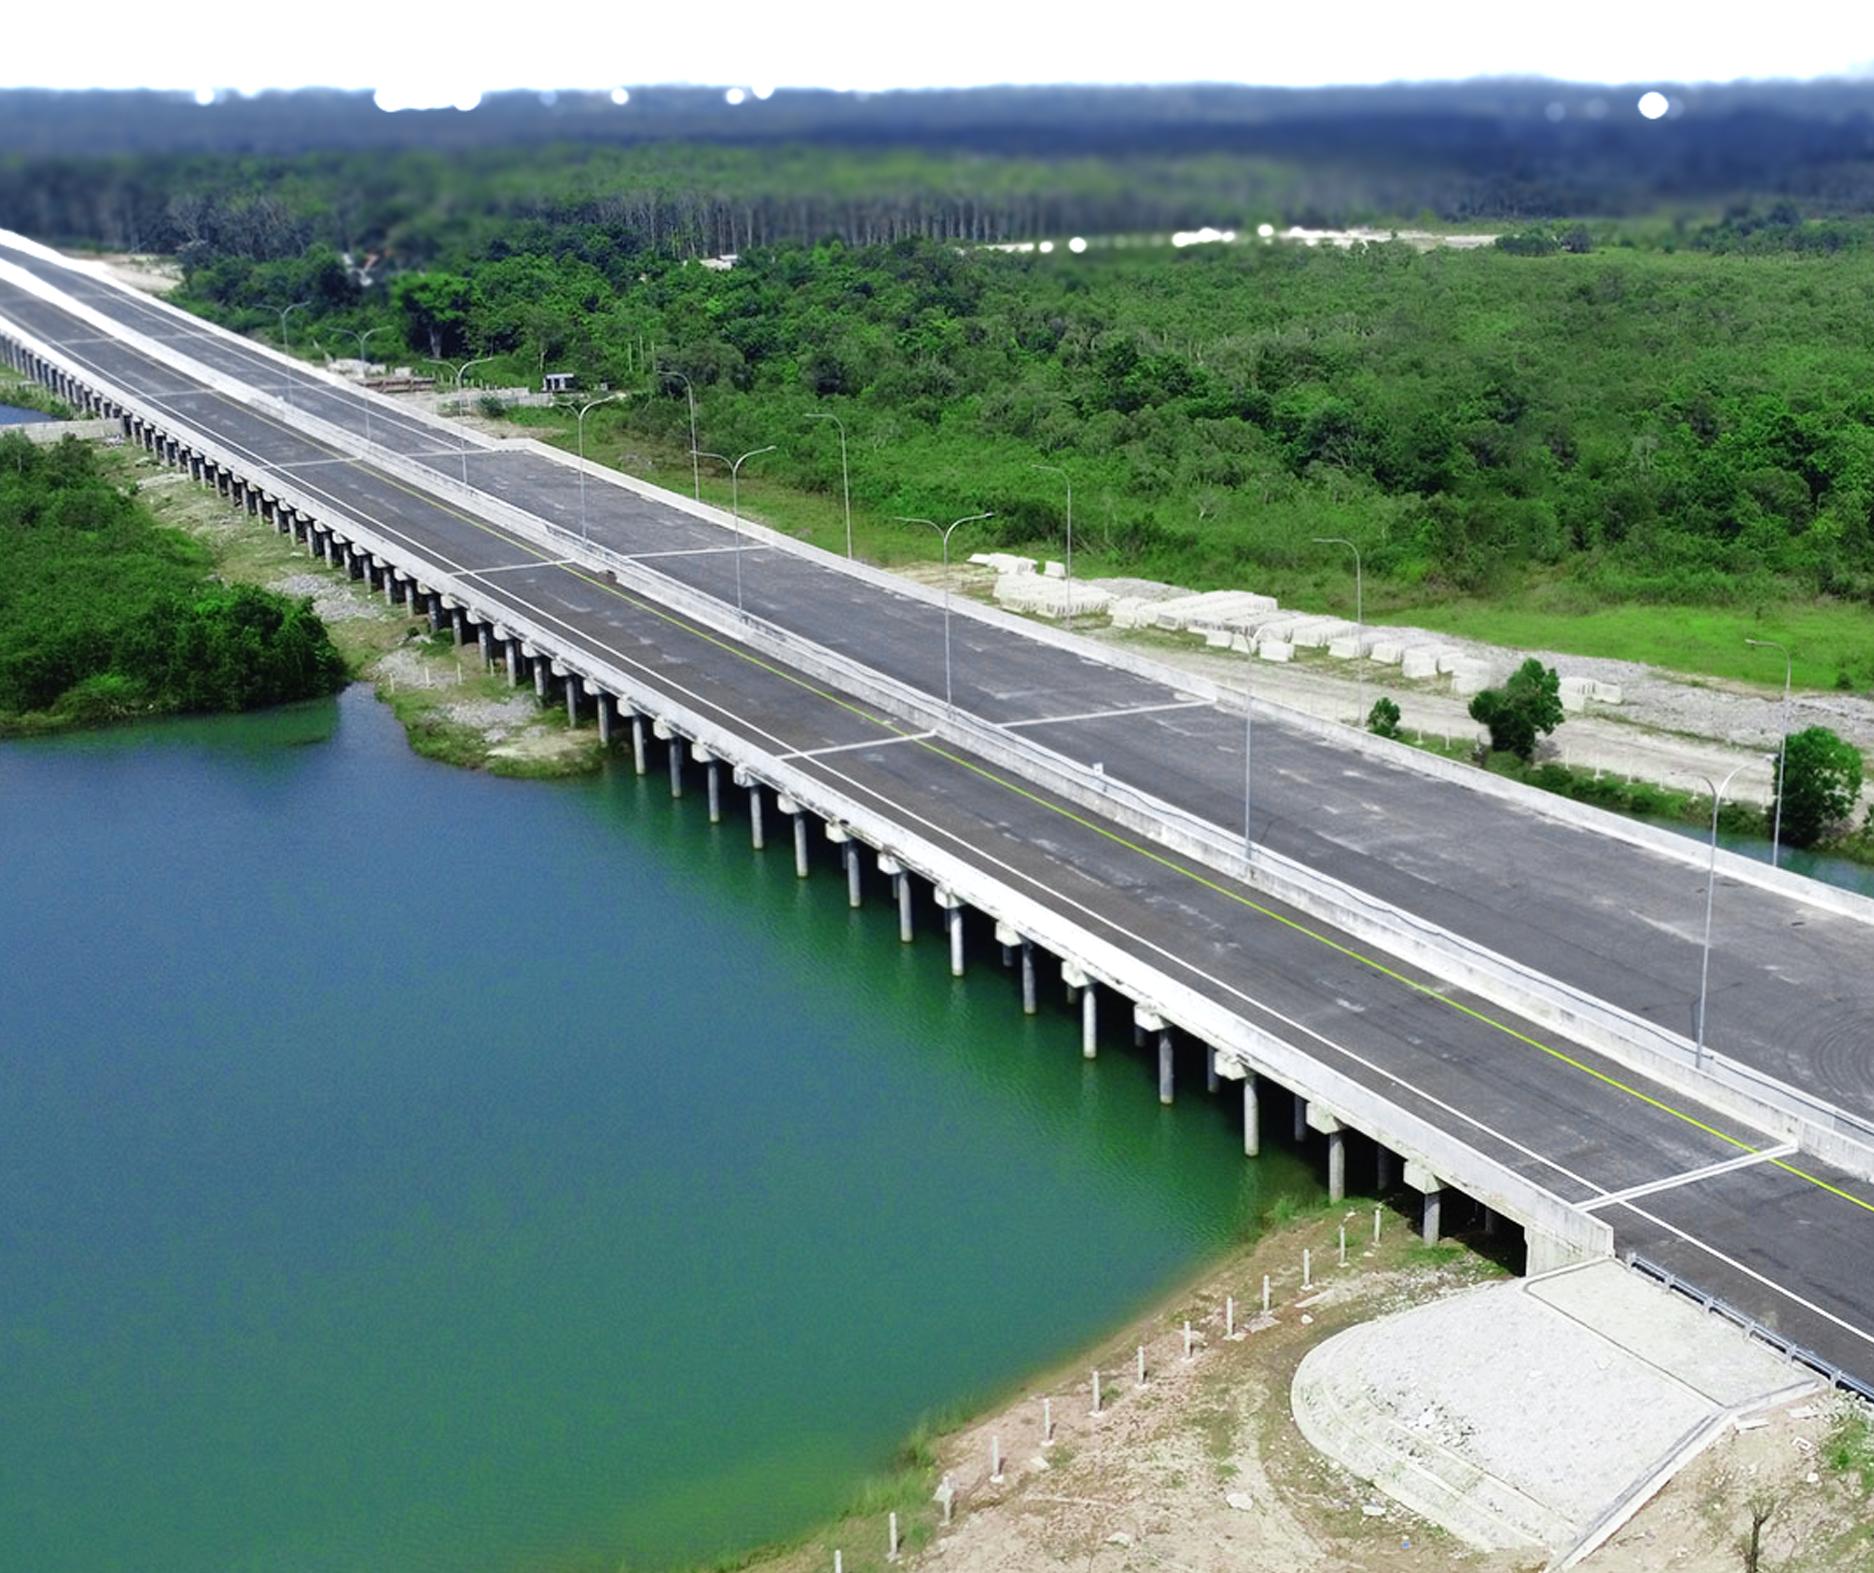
x,y
1790,994
1548,1134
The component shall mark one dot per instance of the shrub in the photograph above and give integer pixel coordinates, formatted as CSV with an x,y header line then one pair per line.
x,y
1818,780
1383,718
1528,706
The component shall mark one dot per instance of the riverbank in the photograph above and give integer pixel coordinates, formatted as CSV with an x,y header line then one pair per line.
x,y
450,708
1203,1458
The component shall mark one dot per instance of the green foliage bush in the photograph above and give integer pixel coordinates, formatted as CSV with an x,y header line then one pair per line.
x,y
105,615
1383,718
1525,708
1818,780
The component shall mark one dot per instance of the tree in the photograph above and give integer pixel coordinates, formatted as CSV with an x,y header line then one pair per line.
x,y
1526,707
1383,718
1823,780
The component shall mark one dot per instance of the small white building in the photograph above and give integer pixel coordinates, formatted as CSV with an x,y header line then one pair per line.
x,y
557,382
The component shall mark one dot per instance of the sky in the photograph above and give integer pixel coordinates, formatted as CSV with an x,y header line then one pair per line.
x,y
449,52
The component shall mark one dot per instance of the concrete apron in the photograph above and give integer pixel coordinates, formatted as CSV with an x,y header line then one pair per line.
x,y
1598,1386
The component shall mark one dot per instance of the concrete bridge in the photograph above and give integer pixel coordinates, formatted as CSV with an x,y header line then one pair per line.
x,y
1447,982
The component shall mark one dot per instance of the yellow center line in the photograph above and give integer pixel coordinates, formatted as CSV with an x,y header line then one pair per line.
x,y
1384,969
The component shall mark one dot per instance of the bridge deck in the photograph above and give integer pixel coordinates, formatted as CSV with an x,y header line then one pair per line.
x,y
1783,1237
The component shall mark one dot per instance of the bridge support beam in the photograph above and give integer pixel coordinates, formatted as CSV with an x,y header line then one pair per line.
x,y
795,812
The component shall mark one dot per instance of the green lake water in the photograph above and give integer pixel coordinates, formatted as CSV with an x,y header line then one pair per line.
x,y
405,1169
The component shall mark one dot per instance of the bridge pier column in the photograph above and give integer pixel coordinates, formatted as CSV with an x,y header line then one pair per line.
x,y
1165,1065
1431,1188
755,836
712,776
433,603
605,719
1337,1166
1382,1169
541,678
907,930
1210,1070
639,764
802,868
572,698
855,876
460,619
674,754
1089,1021
1029,1004
1301,1120
1252,1116
514,664
953,920
485,637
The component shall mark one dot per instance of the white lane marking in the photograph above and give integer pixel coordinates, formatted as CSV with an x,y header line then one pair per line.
x,y
687,551
306,464
759,731
1750,1272
1099,715
841,748
1691,1176
554,562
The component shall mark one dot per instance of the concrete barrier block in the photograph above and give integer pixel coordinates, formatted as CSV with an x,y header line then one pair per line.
x,y
1419,661
1470,677
1275,650
1347,649
1604,693
1388,652
1448,658
1054,570
1217,638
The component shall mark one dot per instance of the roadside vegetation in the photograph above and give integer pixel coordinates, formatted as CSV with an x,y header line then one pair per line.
x,y
107,616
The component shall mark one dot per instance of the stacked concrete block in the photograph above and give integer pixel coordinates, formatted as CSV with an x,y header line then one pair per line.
x,y
1419,660
1349,647
1388,652
1045,597
1003,562
1317,633
1275,650
1574,694
1470,677
1448,657
1054,570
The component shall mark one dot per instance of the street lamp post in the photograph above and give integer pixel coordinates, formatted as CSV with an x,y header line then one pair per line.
x,y
1782,751
1717,790
585,410
286,344
364,367
945,531
1068,482
696,474
845,479
735,507
1359,623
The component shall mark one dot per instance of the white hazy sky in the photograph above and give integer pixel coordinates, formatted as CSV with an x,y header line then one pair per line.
x,y
440,50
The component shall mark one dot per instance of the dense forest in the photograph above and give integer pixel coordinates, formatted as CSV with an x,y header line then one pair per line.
x,y
107,616
681,170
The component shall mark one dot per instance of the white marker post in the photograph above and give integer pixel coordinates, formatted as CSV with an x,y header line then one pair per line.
x,y
1376,1226
1307,1268
1187,1343
1141,1365
995,1460
1229,1316
1096,1390
1265,1294
891,1540
1343,1245
1047,1421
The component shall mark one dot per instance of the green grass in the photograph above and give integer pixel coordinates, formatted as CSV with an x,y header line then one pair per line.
x,y
1829,641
